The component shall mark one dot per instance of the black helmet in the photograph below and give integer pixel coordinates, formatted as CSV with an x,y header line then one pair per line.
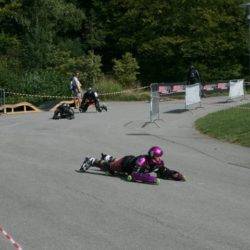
x,y
89,90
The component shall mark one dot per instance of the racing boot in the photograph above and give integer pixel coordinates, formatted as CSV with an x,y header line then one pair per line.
x,y
87,163
107,158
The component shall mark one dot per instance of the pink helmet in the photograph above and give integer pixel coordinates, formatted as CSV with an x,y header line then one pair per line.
x,y
155,151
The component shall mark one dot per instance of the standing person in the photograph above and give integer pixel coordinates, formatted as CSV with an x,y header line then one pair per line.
x,y
138,168
76,89
193,77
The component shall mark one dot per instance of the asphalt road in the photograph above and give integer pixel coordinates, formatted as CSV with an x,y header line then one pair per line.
x,y
46,205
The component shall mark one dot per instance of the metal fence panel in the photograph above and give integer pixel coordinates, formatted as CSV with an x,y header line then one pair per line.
x,y
2,97
154,102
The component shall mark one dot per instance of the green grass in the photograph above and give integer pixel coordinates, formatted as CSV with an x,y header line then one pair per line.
x,y
110,90
128,96
231,125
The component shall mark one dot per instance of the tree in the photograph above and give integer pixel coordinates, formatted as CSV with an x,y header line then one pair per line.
x,y
91,68
10,67
47,21
165,36
126,70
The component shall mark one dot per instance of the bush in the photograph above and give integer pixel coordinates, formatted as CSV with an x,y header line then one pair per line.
x,y
44,82
106,86
126,70
109,89
9,73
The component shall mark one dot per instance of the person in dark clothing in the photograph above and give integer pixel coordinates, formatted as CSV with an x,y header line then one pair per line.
x,y
193,77
91,97
64,111
137,168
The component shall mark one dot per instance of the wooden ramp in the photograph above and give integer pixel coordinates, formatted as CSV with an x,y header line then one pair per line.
x,y
20,108
70,102
26,107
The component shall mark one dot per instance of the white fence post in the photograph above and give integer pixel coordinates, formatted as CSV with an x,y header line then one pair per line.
x,y
192,95
236,88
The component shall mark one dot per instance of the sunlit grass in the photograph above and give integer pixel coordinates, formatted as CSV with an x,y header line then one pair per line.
x,y
232,125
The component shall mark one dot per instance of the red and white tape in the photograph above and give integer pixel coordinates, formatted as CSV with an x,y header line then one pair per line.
x,y
8,236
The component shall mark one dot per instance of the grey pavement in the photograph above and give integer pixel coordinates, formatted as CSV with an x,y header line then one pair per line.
x,y
45,204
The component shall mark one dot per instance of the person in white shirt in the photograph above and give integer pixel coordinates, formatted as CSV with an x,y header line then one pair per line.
x,y
76,89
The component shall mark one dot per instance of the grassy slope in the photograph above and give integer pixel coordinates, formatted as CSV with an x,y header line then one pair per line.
x,y
232,125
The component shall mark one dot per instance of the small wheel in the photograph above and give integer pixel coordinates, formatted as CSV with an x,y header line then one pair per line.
x,y
84,167
129,178
185,178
